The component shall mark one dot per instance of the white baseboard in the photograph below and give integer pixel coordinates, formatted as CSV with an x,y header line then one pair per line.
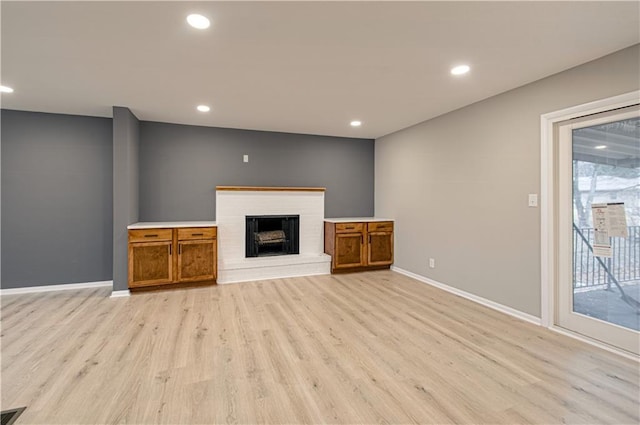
x,y
485,302
515,313
121,293
63,287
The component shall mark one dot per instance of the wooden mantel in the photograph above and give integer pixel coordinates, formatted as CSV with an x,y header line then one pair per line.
x,y
271,189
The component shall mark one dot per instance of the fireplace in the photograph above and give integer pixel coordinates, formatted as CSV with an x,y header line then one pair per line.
x,y
235,204
268,235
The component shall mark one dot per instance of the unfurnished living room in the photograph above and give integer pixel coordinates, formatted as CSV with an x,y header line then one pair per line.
x,y
343,212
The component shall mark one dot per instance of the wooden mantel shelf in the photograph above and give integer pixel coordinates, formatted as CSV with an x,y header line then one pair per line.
x,y
271,189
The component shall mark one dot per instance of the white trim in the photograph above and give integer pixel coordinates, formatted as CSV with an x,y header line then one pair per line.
x,y
547,245
475,298
594,342
49,288
121,293
547,208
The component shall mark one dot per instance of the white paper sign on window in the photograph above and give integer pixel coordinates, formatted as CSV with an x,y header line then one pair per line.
x,y
601,241
617,220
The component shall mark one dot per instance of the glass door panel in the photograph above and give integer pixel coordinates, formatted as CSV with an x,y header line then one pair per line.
x,y
599,282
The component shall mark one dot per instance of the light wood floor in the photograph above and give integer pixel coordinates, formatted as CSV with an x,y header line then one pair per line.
x,y
372,347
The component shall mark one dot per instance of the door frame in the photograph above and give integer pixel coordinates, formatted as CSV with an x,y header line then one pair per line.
x,y
549,191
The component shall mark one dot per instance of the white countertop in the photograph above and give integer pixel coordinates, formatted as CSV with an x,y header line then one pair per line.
x,y
165,224
356,219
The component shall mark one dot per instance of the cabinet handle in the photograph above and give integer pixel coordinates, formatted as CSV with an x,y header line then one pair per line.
x,y
349,228
170,253
369,239
197,234
150,236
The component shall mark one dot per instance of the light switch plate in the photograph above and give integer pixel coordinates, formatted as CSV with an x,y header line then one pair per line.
x,y
533,199
245,158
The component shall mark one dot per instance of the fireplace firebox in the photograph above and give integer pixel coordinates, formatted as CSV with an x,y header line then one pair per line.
x,y
272,235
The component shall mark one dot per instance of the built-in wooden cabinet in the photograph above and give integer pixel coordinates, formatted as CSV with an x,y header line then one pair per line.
x,y
380,243
196,254
349,248
150,257
172,255
358,245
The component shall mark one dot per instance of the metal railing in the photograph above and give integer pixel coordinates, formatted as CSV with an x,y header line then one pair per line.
x,y
588,272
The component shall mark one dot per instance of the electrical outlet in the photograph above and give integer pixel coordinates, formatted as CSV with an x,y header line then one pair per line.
x,y
432,263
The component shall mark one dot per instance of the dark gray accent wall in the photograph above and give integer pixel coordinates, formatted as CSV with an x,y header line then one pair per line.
x,y
126,143
181,165
72,184
56,199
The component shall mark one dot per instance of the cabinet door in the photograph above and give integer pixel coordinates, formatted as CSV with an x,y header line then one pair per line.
x,y
380,248
196,260
349,250
150,264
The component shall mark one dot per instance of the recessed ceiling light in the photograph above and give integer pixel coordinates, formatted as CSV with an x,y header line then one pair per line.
x,y
459,70
601,147
198,21
203,108
6,89
356,123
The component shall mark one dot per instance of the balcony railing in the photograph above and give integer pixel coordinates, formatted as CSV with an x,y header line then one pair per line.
x,y
588,272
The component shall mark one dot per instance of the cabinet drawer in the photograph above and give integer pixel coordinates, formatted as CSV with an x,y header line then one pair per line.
x,y
349,227
380,226
191,233
149,235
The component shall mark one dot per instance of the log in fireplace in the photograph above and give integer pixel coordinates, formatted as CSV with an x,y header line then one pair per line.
x,y
272,235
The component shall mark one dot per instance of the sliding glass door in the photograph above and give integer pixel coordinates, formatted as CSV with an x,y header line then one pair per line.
x,y
598,288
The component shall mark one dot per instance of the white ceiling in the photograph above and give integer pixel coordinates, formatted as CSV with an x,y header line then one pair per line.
x,y
300,67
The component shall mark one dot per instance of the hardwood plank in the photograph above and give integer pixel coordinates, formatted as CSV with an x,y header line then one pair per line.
x,y
374,347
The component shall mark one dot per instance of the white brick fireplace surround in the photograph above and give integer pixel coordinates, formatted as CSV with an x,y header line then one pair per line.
x,y
234,203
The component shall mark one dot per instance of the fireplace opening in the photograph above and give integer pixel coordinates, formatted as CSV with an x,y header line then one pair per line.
x,y
272,235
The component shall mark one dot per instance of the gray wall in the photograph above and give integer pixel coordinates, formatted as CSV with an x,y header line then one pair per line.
x,y
126,144
180,166
71,185
56,199
457,184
